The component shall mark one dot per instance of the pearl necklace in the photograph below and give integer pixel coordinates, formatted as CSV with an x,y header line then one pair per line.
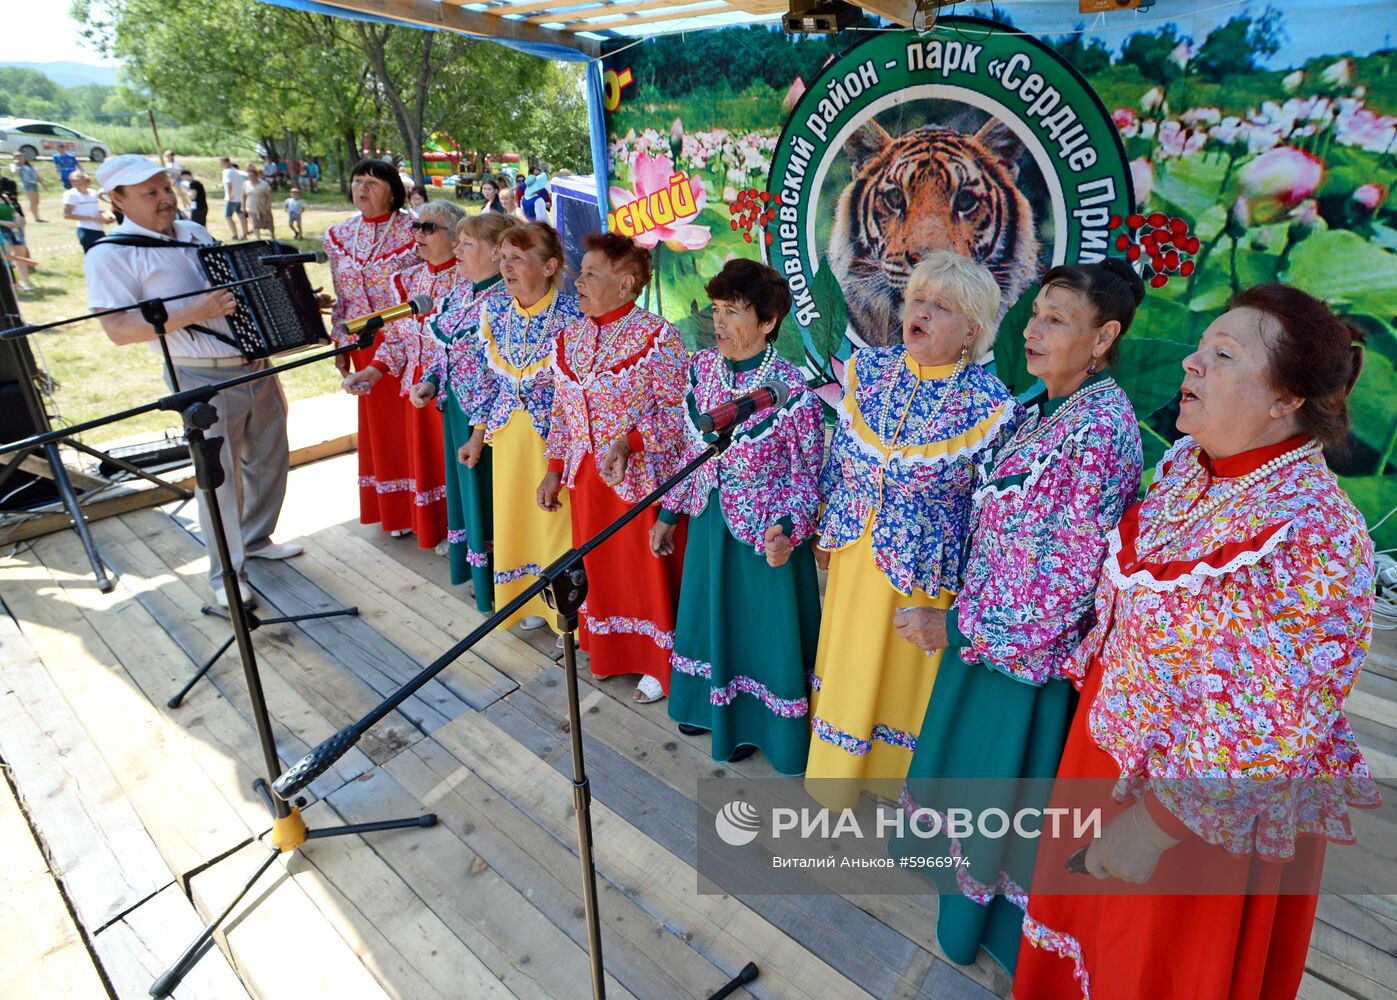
x,y
521,342
1177,517
363,264
1015,445
599,351
931,417
728,377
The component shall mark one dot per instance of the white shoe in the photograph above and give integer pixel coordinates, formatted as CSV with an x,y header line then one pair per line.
x,y
400,533
276,550
220,596
648,690
443,548
530,622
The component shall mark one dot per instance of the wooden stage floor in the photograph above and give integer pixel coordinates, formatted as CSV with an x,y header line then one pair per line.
x,y
125,822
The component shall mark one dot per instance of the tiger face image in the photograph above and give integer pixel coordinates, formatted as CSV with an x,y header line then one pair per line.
x,y
932,189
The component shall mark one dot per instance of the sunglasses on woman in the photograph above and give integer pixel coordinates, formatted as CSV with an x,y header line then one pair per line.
x,y
425,228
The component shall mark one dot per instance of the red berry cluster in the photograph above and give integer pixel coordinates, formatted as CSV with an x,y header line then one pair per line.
x,y
754,209
1165,243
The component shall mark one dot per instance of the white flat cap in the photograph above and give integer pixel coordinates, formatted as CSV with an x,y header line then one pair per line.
x,y
128,168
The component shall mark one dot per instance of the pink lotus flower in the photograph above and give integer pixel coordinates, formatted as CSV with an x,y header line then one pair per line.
x,y
1127,122
832,392
651,175
1292,81
1369,197
1278,180
793,94
1338,74
1152,100
1182,53
1142,179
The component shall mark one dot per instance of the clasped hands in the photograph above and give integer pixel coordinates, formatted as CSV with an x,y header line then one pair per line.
x,y
924,628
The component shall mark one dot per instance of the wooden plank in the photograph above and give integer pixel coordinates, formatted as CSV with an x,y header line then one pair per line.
x,y
38,525
95,841
277,938
600,8
1352,918
407,947
41,950
481,24
1314,988
639,953
517,943
1371,707
1351,963
142,944
721,928
698,8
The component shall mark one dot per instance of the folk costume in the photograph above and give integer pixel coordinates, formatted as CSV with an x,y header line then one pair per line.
x,y
1043,507
1233,616
622,375
365,255
746,634
898,486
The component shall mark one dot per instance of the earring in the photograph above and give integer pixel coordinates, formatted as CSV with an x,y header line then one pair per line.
x,y
965,355
1091,368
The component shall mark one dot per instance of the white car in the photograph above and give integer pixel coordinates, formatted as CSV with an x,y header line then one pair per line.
x,y
41,140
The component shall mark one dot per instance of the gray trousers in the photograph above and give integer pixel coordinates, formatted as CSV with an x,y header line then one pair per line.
x,y
255,457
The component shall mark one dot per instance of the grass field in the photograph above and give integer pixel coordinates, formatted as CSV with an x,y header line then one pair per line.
x,y
93,376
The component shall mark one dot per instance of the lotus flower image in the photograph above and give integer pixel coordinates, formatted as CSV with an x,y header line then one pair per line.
x,y
1368,197
1292,81
1142,179
651,175
1278,180
1127,122
1338,74
1153,99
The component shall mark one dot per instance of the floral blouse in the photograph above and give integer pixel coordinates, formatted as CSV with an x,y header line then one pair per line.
x,y
622,377
1227,653
364,255
456,327
902,463
513,366
408,345
770,472
1043,508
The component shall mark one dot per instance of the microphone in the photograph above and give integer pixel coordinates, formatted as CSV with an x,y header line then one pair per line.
x,y
725,416
415,306
289,259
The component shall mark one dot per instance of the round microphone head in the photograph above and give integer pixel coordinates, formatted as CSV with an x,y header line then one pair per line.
x,y
320,256
420,304
779,389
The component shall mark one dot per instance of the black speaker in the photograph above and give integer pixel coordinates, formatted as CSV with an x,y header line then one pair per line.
x,y
21,411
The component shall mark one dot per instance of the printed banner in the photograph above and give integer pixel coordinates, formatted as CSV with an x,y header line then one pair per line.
x,y
1216,151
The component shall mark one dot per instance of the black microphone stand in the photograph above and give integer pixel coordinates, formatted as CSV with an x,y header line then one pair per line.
x,y
564,586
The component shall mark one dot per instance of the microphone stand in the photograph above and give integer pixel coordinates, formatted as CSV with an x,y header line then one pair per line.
x,y
564,586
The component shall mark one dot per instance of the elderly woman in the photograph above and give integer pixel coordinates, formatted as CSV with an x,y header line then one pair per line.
x,y
1043,507
749,606
406,350
1233,617
513,406
618,430
914,421
366,251
457,365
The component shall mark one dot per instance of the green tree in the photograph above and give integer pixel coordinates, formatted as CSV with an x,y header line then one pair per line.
x,y
1235,47
1151,52
28,93
1088,53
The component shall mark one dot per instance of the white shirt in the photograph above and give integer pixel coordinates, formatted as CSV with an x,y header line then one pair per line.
x,y
233,179
84,204
120,276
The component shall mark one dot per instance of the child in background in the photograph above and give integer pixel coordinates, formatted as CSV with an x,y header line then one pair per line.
x,y
294,207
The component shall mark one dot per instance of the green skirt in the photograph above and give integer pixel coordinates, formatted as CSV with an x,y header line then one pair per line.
x,y
982,724
468,509
744,644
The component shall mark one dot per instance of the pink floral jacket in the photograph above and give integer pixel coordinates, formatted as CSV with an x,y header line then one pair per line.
x,y
364,255
409,347
1228,651
624,378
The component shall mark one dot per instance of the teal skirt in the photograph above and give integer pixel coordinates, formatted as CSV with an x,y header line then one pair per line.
x,y
982,725
744,644
468,509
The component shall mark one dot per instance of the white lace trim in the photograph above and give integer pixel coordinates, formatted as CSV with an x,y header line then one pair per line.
x,y
780,417
1192,581
846,417
1036,468
654,333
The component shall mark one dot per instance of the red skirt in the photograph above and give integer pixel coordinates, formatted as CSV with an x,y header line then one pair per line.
x,y
385,472
1125,945
627,622
427,460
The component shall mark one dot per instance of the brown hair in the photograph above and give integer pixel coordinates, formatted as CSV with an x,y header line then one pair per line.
x,y
1112,288
542,239
1317,356
753,283
624,253
488,226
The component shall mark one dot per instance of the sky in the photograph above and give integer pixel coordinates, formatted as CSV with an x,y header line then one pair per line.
x,y
41,31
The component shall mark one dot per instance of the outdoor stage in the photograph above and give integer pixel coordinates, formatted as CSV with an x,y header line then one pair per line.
x,y
128,799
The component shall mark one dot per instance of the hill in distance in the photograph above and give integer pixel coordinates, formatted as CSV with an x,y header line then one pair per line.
x,y
70,74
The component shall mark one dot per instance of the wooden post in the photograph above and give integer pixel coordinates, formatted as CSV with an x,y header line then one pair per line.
x,y
155,132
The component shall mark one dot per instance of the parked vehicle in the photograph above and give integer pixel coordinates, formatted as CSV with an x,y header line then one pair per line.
x,y
38,139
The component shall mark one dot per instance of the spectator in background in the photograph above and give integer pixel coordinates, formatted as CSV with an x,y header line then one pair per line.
x,y
12,244
313,174
293,176
536,201
81,205
303,174
490,192
65,163
509,203
233,182
198,197
257,204
294,209
174,170
520,183
416,198
270,172
283,174
29,182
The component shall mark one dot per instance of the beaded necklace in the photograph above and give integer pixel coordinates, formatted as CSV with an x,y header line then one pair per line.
x,y
363,263
931,417
520,342
1177,518
589,377
1016,445
728,377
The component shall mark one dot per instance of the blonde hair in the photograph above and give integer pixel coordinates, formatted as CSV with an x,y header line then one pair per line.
x,y
970,286
487,226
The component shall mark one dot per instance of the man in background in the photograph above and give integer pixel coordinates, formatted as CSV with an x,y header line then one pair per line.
x,y
233,181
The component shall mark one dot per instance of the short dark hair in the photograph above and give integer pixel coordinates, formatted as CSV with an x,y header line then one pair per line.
x,y
186,171
1318,356
623,252
1113,289
383,171
753,283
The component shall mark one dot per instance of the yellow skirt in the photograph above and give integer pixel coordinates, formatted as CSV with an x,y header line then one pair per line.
x,y
526,538
871,686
